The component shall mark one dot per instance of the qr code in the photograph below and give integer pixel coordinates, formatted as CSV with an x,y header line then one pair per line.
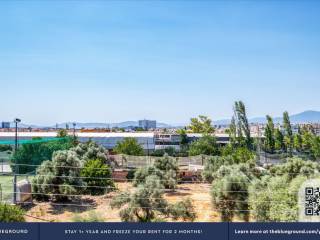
x,y
312,201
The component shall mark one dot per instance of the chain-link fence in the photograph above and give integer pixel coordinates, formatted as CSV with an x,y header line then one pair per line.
x,y
127,161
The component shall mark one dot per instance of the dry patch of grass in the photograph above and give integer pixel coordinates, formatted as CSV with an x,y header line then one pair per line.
x,y
100,209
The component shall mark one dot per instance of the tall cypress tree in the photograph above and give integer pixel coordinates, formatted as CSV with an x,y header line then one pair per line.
x,y
269,135
233,132
288,132
279,140
243,123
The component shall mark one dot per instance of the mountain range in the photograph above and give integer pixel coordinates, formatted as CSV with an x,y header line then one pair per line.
x,y
92,125
125,124
304,117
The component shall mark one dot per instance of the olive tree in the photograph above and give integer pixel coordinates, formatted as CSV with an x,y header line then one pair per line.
x,y
295,167
147,204
91,150
230,195
58,179
165,168
213,164
275,198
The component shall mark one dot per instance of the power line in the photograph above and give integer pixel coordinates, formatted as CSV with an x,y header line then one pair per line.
x,y
96,178
182,170
74,167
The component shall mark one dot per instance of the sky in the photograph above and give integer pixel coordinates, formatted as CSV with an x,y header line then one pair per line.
x,y
113,61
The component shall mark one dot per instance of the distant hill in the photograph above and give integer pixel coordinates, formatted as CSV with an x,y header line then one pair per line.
x,y
125,124
304,117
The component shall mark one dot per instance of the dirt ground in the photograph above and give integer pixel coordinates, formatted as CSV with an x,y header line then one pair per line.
x,y
198,193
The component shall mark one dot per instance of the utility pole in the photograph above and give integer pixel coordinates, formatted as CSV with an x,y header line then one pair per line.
x,y
16,121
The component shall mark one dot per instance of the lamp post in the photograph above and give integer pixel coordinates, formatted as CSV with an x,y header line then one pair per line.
x,y
16,121
74,130
74,133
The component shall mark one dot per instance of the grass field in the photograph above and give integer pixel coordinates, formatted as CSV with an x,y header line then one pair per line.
x,y
6,187
5,162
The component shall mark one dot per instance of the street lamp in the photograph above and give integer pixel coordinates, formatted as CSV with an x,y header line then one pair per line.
x,y
74,129
16,121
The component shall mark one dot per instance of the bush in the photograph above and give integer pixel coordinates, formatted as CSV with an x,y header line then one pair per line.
x,y
97,177
91,150
260,199
161,152
141,174
248,170
184,210
52,181
147,204
230,196
295,167
11,213
238,154
275,198
164,168
206,145
129,146
213,164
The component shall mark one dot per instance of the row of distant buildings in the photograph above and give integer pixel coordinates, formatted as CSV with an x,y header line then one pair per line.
x,y
150,141
259,129
145,125
150,127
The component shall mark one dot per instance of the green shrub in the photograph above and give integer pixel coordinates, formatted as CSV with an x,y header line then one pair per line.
x,y
11,213
97,176
165,168
295,167
206,145
230,195
275,198
147,204
248,170
184,210
142,173
129,146
171,151
213,164
52,181
91,150
238,154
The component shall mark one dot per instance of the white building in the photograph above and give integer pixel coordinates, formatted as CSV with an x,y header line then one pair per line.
x,y
150,141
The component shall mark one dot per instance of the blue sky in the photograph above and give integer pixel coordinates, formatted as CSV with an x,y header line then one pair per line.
x,y
110,61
